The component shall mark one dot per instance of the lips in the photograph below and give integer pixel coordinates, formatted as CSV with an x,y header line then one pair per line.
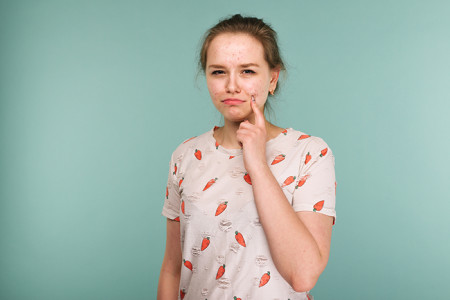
x,y
232,101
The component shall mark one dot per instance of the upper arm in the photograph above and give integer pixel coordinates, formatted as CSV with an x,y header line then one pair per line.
x,y
320,227
314,197
172,201
316,188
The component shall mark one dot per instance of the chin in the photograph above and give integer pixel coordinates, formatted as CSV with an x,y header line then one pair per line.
x,y
237,116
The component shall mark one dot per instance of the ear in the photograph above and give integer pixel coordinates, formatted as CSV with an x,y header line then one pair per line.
x,y
274,74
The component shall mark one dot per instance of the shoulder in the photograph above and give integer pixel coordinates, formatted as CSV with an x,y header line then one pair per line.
x,y
192,143
308,143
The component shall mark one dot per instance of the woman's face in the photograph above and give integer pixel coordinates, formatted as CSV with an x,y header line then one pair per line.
x,y
235,71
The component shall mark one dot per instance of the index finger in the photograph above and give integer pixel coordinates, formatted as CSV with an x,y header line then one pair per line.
x,y
260,121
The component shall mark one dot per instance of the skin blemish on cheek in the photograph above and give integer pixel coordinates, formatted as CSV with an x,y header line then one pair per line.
x,y
252,93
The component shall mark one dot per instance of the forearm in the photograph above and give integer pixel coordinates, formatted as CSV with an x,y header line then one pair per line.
x,y
169,278
293,248
168,285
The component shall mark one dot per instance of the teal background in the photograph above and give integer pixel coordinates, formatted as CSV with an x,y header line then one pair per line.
x,y
95,95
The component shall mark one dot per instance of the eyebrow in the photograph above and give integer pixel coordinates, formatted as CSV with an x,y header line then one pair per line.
x,y
242,66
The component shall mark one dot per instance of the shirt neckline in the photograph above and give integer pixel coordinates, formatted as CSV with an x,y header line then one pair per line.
x,y
236,152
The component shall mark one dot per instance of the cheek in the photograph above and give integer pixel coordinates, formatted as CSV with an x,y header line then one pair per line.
x,y
257,87
213,88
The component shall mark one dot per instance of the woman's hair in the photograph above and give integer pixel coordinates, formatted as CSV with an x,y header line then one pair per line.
x,y
248,25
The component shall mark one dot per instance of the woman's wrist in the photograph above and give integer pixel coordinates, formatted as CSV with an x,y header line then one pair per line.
x,y
260,169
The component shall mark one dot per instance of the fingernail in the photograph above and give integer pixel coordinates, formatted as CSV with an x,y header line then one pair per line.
x,y
253,98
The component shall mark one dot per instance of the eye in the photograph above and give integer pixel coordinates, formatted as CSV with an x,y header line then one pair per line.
x,y
217,72
248,71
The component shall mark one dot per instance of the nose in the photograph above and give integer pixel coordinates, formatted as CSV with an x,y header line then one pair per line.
x,y
232,84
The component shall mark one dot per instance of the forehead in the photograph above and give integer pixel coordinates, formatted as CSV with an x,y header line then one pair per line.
x,y
234,48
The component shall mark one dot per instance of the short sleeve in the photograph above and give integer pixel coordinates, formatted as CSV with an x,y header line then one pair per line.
x,y
171,208
316,186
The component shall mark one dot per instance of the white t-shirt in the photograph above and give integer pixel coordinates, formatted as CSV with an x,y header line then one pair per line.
x,y
224,249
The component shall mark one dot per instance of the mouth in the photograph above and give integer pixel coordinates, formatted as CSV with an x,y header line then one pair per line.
x,y
232,101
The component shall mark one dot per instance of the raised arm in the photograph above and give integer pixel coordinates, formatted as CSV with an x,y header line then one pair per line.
x,y
299,242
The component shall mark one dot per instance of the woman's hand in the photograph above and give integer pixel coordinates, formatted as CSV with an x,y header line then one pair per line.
x,y
253,139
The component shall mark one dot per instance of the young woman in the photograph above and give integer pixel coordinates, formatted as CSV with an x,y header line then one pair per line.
x,y
249,205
